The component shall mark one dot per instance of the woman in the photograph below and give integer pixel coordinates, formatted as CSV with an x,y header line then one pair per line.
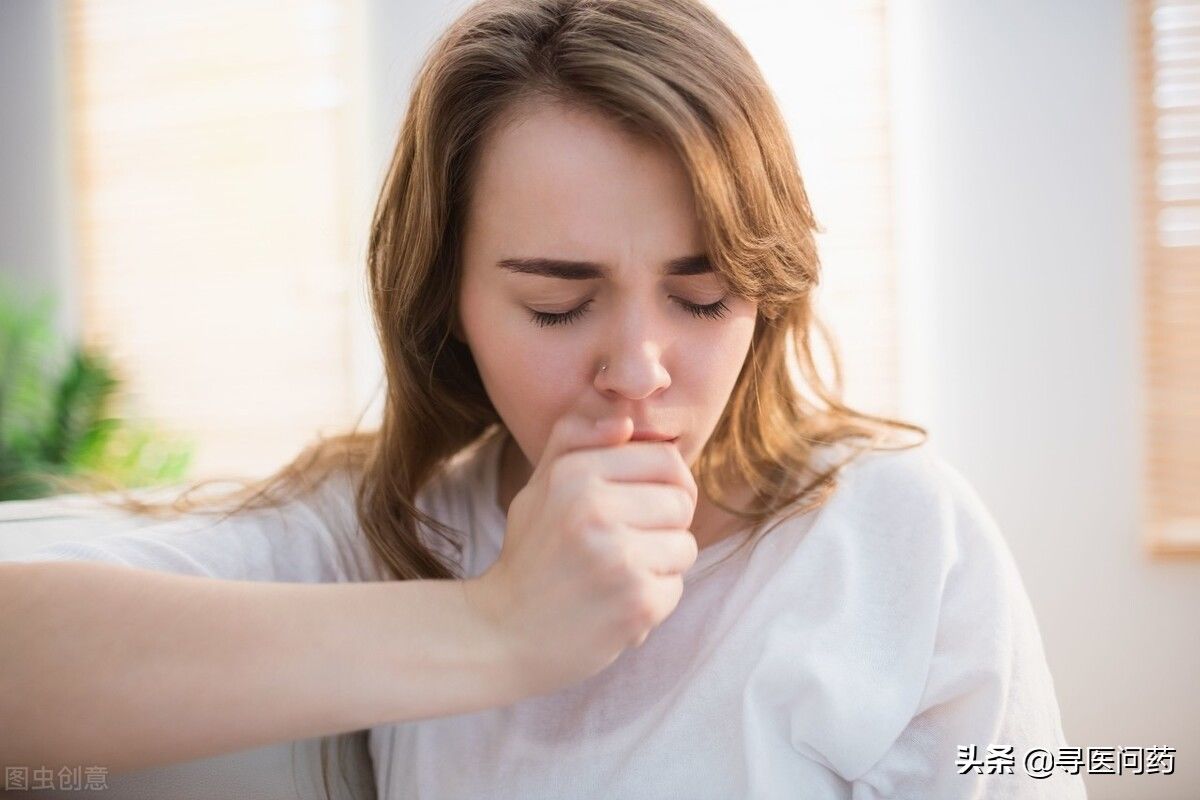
x,y
591,253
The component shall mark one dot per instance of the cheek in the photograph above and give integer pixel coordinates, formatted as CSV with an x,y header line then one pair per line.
x,y
524,372
527,396
717,362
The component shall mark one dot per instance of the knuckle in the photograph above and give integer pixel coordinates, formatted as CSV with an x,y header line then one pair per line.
x,y
574,521
587,512
689,480
639,609
686,508
688,546
609,563
676,591
593,519
616,571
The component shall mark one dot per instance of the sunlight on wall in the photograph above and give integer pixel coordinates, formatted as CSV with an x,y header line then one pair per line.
x,y
826,63
216,150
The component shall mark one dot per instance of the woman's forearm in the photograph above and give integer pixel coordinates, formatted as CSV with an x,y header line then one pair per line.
x,y
129,668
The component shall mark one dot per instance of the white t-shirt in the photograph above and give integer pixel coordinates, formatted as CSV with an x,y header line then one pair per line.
x,y
849,655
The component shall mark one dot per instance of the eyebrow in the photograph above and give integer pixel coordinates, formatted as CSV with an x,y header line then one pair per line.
x,y
589,270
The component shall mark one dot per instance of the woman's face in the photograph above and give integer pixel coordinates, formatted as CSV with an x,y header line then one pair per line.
x,y
561,184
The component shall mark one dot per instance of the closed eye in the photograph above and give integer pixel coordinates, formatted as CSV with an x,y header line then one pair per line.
x,y
715,310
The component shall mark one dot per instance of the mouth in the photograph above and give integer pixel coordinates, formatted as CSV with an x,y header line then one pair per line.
x,y
652,436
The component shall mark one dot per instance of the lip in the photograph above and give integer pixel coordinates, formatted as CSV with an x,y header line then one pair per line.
x,y
651,436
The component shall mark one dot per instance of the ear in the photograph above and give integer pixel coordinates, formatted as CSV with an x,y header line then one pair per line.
x,y
456,329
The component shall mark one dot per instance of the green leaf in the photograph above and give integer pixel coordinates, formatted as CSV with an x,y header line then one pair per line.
x,y
56,413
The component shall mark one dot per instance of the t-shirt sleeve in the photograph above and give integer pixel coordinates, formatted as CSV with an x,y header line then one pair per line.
x,y
989,697
312,539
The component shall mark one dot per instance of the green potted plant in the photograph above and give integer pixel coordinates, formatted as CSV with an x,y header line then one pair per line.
x,y
59,424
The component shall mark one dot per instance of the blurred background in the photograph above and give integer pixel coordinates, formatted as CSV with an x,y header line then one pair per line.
x,y
1010,199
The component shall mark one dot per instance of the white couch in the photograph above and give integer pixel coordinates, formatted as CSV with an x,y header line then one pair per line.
x,y
284,771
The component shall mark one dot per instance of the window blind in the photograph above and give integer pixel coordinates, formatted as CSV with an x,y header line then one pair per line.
x,y
215,151
1167,81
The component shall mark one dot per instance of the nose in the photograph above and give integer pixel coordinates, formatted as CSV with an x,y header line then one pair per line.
x,y
633,361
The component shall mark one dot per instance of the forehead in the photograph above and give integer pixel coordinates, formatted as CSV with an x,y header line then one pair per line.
x,y
559,180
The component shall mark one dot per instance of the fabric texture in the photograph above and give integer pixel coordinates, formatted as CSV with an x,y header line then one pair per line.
x,y
848,655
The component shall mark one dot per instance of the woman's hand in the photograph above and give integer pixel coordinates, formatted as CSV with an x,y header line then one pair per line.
x,y
594,552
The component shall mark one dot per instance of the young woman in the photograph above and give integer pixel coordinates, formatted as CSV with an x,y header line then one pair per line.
x,y
616,536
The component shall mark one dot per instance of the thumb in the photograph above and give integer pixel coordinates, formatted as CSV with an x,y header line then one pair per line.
x,y
574,431
613,430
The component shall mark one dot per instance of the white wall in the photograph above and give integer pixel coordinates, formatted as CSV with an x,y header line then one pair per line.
x,y
36,249
1014,125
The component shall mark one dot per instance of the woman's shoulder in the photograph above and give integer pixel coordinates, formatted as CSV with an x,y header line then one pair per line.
x,y
913,500
921,581
908,473
333,510
943,633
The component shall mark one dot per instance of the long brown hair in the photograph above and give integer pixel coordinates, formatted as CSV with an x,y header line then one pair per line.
x,y
666,69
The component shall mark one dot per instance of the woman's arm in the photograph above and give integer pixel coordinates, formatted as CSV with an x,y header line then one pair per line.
x,y
129,668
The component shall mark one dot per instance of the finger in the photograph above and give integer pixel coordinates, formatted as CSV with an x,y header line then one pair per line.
x,y
662,552
651,505
575,430
664,594
641,462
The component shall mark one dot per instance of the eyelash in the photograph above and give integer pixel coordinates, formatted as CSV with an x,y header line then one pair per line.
x,y
715,310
